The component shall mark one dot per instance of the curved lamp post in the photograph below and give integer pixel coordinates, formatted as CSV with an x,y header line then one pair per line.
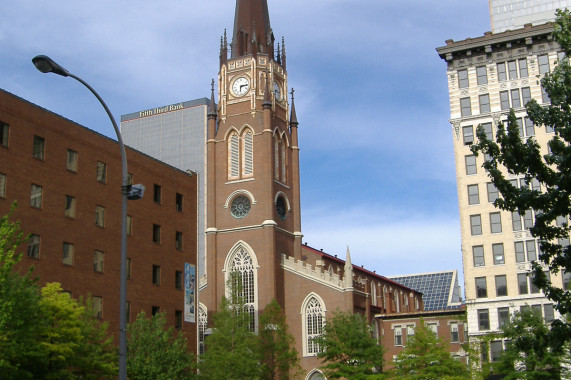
x,y
47,65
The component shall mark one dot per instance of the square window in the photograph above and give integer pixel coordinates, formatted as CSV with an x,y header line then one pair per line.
x,y
454,335
519,122
39,148
475,225
178,279
544,96
504,100
69,206
478,253
482,75
34,246
529,127
156,233
97,304
178,204
498,251
4,134
496,350
398,336
72,160
512,69
100,216
471,164
68,254
501,286
488,130
481,287
484,103
535,185
483,320
495,222
178,240
157,193
473,195
543,63
36,196
101,172
468,133
178,319
530,248
516,221
566,280
463,78
548,314
525,95
155,310
502,71
503,316
527,219
484,352
522,283
128,268
465,107
2,185
522,68
492,192
98,261
516,101
519,252
156,275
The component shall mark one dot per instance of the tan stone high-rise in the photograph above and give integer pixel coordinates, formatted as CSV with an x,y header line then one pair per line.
x,y
487,76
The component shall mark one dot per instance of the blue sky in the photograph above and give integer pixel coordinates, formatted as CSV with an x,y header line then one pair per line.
x,y
377,160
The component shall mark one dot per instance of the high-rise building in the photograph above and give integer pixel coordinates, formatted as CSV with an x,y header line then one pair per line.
x,y
514,14
488,76
440,290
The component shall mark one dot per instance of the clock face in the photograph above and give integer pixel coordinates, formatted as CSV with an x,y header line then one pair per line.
x,y
277,91
240,86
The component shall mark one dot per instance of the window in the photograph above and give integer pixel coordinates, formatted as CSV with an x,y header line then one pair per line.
x,y
234,156
527,219
463,78
492,192
532,287
97,304
496,350
516,221
128,267
432,327
481,287
67,254
473,195
178,277
525,95
501,286
465,107
454,335
478,253
155,310
516,101
482,75
502,71
71,160
522,283
535,185
522,68
503,316
2,185
178,240
504,100
483,319
498,252
530,249
484,352
4,134
484,103
512,69
475,225
519,251
129,225
470,164
202,326
544,96
178,319
157,193
242,264
543,61
101,172
156,233
36,196
548,314
409,331
34,246
529,127
156,275
39,148
495,222
98,261
468,133
178,202
314,320
100,216
69,206
241,155
398,336
488,130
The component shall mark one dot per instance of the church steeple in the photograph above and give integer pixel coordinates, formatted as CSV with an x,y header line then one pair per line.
x,y
252,31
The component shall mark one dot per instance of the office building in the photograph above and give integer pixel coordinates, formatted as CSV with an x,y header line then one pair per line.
x,y
514,14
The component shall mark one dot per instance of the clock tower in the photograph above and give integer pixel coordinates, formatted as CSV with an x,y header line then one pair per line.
x,y
253,208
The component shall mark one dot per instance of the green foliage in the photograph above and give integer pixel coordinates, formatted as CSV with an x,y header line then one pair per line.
x,y
349,349
276,345
154,352
426,357
553,170
527,355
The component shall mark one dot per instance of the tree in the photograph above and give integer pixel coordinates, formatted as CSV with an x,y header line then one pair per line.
x,y
552,170
154,352
349,349
426,357
527,354
276,351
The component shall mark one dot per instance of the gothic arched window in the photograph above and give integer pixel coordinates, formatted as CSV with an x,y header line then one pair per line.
x,y
280,167
202,326
242,271
241,154
313,314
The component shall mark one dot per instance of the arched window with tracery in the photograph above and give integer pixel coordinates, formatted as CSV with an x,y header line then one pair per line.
x,y
242,271
241,154
202,326
234,156
313,313
280,162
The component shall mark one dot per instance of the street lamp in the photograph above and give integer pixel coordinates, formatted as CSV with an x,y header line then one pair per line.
x,y
47,65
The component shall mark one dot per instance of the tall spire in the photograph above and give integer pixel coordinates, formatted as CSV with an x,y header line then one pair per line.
x,y
252,27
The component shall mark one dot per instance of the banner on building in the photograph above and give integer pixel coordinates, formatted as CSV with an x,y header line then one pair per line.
x,y
189,293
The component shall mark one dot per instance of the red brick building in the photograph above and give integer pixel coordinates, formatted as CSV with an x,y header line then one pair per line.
x,y
67,182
